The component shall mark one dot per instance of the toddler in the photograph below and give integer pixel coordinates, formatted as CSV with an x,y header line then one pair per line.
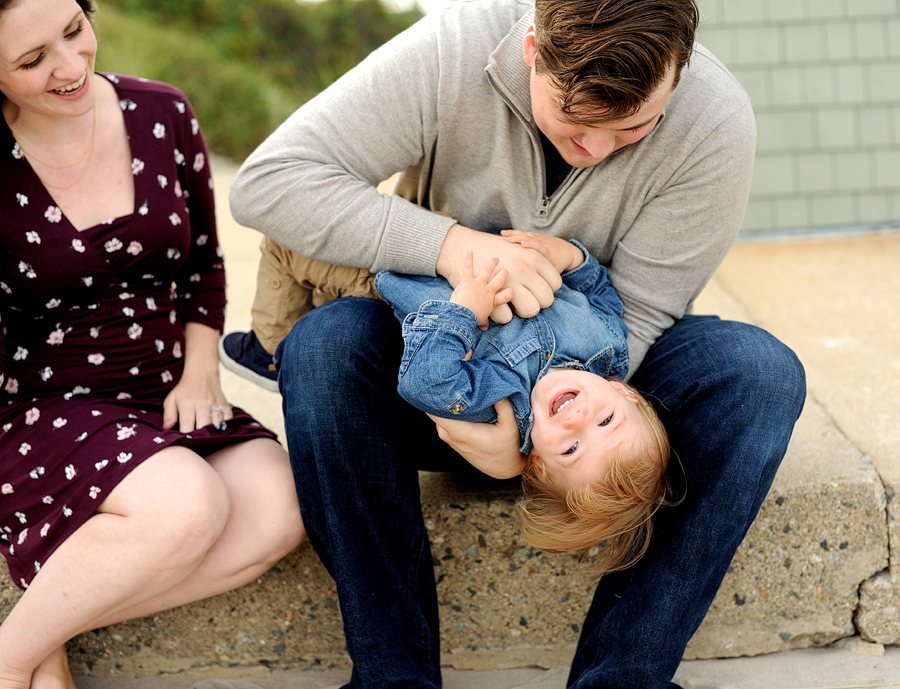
x,y
597,452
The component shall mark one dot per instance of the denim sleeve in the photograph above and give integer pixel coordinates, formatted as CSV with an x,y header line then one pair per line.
x,y
433,376
591,279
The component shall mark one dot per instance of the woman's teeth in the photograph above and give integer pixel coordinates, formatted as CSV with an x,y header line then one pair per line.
x,y
71,88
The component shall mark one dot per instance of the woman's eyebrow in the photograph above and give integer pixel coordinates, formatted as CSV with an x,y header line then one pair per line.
x,y
41,47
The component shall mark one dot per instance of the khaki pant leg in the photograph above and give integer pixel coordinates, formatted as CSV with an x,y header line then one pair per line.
x,y
328,281
280,300
289,285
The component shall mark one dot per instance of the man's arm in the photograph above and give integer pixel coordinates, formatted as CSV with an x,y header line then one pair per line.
x,y
312,185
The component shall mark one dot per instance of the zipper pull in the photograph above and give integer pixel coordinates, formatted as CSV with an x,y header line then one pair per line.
x,y
544,203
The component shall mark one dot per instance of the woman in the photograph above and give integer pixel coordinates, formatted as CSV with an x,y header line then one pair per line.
x,y
123,470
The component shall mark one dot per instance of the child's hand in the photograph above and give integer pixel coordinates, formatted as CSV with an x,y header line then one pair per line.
x,y
482,292
563,255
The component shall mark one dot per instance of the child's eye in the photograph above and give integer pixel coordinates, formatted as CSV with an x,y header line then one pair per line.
x,y
571,449
606,421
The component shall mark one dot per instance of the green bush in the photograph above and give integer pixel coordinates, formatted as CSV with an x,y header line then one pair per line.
x,y
245,66
236,105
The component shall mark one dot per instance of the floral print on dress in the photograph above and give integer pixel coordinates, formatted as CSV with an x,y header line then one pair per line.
x,y
92,336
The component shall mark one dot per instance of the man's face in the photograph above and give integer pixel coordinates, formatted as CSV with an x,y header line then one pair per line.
x,y
582,145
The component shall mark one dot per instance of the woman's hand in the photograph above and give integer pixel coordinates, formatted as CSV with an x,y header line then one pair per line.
x,y
492,448
197,400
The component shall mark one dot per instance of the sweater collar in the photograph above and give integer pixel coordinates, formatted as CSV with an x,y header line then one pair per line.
x,y
507,70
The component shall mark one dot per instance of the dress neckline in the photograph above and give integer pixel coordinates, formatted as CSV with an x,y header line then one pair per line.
x,y
49,196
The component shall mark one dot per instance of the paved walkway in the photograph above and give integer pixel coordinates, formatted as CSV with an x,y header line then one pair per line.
x,y
815,668
835,300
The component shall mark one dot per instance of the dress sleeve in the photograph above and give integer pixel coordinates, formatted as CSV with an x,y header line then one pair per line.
x,y
4,359
200,282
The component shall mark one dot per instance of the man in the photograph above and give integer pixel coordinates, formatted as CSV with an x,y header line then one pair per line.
x,y
585,119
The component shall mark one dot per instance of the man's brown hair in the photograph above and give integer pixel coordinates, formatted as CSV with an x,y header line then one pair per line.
x,y
607,57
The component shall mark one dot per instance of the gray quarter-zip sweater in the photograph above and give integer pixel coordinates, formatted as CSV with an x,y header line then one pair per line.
x,y
448,102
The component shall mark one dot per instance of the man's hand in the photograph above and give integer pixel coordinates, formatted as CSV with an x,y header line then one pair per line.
x,y
532,277
481,293
564,255
492,448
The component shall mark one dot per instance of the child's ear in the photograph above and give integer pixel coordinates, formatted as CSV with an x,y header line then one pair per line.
x,y
626,390
538,463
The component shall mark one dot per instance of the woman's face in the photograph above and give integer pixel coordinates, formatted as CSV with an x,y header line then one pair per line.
x,y
47,51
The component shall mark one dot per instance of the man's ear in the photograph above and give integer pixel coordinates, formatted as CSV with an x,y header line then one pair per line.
x,y
529,46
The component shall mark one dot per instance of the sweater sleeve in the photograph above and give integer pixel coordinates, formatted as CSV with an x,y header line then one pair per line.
x,y
311,186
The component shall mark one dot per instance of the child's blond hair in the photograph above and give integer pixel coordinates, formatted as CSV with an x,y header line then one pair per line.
x,y
614,512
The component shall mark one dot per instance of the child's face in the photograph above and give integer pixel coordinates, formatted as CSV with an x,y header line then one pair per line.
x,y
578,418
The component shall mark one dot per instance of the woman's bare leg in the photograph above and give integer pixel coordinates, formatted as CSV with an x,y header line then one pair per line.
x,y
172,532
54,672
263,527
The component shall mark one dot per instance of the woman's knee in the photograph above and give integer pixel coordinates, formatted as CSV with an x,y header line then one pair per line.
x,y
258,477
181,499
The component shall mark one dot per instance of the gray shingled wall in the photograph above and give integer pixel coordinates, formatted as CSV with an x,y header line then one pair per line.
x,y
824,77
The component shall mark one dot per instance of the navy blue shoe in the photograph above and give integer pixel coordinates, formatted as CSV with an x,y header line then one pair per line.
x,y
241,353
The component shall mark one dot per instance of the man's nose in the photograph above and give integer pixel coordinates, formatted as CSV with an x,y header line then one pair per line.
x,y
599,143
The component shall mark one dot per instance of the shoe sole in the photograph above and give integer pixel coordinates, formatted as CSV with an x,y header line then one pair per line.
x,y
244,372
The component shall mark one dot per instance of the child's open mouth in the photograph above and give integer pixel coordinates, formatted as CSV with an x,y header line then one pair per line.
x,y
560,402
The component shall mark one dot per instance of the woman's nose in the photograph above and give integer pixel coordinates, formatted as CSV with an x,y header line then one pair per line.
x,y
70,67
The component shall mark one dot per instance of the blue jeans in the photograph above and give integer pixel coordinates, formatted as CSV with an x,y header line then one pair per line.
x,y
728,393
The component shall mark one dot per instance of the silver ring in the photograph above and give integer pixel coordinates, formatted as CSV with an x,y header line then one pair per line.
x,y
213,410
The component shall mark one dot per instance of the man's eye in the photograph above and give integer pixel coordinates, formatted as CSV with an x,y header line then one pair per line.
x,y
571,449
606,421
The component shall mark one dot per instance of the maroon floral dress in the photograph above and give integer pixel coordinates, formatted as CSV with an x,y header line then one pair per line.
x,y
92,335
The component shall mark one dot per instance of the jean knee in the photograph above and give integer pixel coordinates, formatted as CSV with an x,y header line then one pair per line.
x,y
762,369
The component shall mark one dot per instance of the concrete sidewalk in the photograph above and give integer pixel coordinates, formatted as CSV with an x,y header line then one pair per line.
x,y
820,563
813,668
